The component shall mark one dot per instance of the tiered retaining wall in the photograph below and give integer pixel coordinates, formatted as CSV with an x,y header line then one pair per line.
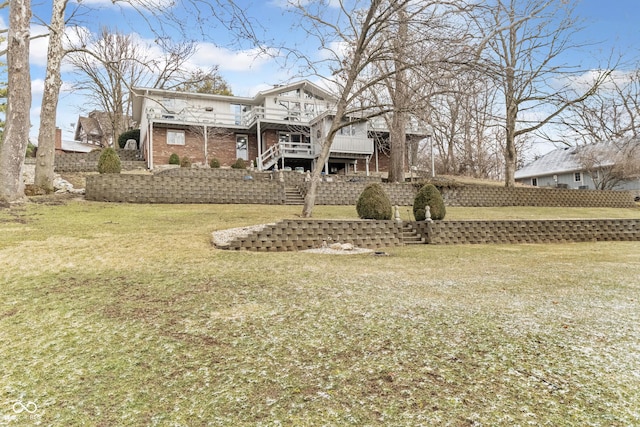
x,y
88,162
529,231
291,235
232,186
131,188
294,235
487,196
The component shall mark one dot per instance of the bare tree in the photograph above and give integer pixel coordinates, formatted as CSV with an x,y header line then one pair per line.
x,y
16,135
111,63
610,114
611,162
52,83
359,60
524,41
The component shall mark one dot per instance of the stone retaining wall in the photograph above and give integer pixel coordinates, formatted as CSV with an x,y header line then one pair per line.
x,y
131,188
200,182
292,235
88,162
529,231
487,196
295,235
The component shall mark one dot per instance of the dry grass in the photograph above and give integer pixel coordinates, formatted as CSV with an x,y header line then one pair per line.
x,y
115,314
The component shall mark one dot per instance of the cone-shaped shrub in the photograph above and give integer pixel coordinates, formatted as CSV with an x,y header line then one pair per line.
x,y
374,203
428,195
174,159
214,163
185,162
109,161
239,164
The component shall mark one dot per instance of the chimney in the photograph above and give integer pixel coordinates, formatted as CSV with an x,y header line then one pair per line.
x,y
59,140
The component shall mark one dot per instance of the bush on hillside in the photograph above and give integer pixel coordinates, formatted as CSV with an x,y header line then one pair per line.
x,y
109,161
214,163
174,159
239,164
130,134
185,162
374,203
428,195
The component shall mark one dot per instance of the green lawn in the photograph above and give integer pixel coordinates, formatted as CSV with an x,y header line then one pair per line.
x,y
118,315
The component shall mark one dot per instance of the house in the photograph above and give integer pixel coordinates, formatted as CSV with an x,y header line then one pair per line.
x,y
67,145
604,165
282,127
97,129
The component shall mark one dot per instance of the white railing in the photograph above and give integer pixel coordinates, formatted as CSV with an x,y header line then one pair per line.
x,y
351,144
282,150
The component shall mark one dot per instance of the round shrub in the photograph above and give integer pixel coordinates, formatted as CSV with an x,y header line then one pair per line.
x,y
174,159
214,163
109,161
185,162
374,203
428,195
127,135
239,164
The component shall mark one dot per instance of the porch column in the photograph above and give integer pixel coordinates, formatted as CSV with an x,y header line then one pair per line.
x,y
259,139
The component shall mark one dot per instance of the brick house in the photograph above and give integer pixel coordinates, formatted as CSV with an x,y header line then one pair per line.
x,y
96,129
281,127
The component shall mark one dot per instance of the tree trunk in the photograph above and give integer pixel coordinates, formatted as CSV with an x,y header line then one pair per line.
x,y
16,136
398,147
52,83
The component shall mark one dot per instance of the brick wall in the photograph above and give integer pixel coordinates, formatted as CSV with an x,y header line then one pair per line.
x,y
293,235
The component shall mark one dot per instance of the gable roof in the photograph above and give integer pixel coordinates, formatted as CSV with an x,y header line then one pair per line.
x,y
567,160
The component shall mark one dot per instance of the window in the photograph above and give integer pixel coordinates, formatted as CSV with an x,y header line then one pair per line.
x,y
577,177
349,130
175,137
242,147
534,182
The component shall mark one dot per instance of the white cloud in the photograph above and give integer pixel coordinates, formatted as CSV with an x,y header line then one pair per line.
x,y
209,55
38,46
37,87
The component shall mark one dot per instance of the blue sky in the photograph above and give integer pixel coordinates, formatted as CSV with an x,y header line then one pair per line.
x,y
611,22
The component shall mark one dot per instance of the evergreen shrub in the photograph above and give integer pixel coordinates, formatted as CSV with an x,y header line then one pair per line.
x,y
185,162
174,159
127,135
214,163
109,161
239,164
374,203
428,195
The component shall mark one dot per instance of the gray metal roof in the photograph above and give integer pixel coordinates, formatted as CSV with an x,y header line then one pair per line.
x,y
567,160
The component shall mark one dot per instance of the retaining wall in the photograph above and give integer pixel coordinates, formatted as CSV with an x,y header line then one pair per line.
x,y
291,235
169,189
88,162
200,182
294,235
487,196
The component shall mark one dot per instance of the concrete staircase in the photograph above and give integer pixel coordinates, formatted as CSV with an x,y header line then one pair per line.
x,y
410,235
293,196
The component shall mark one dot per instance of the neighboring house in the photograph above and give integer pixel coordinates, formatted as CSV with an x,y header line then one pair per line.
x,y
96,129
282,127
585,167
66,145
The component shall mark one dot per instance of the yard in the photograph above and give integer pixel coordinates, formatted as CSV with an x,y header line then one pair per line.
x,y
117,315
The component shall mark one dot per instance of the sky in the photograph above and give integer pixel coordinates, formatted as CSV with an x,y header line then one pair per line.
x,y
612,23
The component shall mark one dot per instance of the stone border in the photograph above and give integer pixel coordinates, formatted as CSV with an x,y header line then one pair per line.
x,y
301,234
